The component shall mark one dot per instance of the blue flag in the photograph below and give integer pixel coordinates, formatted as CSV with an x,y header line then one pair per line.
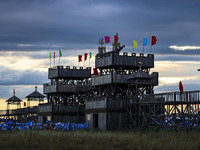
x,y
99,41
145,42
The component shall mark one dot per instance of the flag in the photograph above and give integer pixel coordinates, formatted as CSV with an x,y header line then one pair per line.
x,y
54,55
90,54
60,53
95,71
85,56
145,42
50,56
135,44
116,39
153,41
181,87
107,39
79,58
99,41
24,104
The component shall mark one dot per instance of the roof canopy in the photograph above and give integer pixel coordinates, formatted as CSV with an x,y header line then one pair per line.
x,y
140,75
35,95
14,98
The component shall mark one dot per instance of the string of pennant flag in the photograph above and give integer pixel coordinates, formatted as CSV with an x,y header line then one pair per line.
x,y
101,42
135,43
95,71
79,59
153,42
107,40
54,56
85,56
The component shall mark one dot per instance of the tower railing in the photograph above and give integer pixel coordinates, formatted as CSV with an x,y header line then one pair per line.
x,y
187,96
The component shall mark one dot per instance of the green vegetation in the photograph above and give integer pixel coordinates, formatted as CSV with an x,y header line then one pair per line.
x,y
136,139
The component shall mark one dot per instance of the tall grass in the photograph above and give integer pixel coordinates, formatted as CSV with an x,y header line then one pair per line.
x,y
84,140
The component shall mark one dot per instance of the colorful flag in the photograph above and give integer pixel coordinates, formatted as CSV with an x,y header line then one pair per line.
x,y
79,58
99,41
95,71
60,53
90,54
135,44
54,55
181,87
107,39
116,38
153,41
50,56
145,42
85,56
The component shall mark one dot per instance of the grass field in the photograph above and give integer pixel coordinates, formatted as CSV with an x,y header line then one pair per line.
x,y
135,139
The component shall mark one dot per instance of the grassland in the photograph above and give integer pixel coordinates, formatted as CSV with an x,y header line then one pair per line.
x,y
85,140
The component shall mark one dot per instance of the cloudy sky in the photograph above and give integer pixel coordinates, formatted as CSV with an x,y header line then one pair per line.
x,y
30,30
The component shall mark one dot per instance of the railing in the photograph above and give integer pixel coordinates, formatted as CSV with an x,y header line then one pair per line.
x,y
65,108
114,59
61,72
19,111
48,108
84,86
143,98
47,88
187,96
44,108
115,77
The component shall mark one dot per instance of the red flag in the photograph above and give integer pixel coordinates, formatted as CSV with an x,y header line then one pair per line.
x,y
181,87
153,41
79,58
24,104
115,39
107,39
95,71
85,56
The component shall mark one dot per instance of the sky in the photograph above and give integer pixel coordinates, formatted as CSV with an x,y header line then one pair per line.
x,y
30,30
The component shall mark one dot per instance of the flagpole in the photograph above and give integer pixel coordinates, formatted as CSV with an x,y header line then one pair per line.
x,y
59,56
143,49
50,59
54,56
59,59
78,61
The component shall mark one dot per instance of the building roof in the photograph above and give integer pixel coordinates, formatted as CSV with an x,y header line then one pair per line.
x,y
35,94
140,74
14,98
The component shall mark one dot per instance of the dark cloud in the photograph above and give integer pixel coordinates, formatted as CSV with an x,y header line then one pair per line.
x,y
17,77
79,24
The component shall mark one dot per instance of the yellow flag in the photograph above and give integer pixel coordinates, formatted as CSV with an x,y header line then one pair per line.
x,y
50,56
135,44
